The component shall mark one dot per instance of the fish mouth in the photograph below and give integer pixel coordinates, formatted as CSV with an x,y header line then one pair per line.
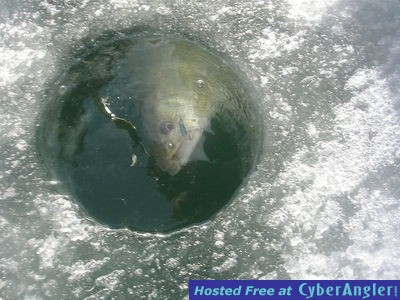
x,y
181,155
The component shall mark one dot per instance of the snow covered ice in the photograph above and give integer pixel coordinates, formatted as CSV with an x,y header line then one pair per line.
x,y
324,202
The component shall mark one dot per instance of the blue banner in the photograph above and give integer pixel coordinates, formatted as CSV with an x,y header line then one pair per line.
x,y
293,289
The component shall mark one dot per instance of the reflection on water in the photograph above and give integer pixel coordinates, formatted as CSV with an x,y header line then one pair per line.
x,y
150,133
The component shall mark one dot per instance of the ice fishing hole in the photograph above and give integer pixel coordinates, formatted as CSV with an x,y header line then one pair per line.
x,y
149,132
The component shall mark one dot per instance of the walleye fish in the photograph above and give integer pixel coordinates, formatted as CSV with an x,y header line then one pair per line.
x,y
180,89
174,128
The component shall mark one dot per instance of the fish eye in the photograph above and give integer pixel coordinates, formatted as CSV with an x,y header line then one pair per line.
x,y
170,145
200,83
166,127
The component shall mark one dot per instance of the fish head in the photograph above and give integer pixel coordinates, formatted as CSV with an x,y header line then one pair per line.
x,y
173,128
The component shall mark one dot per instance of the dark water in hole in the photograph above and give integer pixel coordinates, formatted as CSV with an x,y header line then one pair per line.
x,y
107,164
